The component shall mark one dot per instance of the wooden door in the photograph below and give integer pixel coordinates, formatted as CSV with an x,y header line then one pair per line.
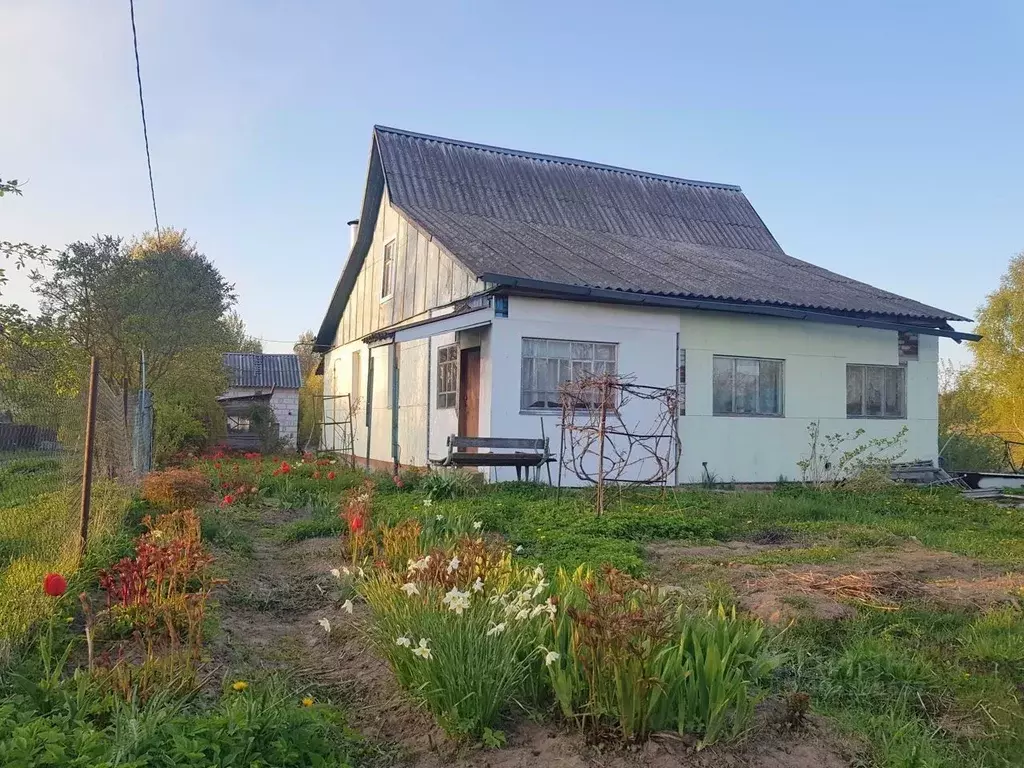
x,y
469,392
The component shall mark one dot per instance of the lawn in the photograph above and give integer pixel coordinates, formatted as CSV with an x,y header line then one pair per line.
x,y
877,629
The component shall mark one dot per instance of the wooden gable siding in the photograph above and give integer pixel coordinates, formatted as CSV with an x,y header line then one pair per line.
x,y
425,278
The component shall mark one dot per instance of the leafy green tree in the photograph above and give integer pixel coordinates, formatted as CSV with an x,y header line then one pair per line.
x,y
239,339
311,392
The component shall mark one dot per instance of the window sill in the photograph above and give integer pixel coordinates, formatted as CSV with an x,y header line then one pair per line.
x,y
877,418
749,415
386,299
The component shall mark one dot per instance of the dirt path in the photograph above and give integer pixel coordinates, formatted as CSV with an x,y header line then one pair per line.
x,y
270,614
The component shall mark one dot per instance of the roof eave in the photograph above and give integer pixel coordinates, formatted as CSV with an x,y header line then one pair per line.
x,y
937,326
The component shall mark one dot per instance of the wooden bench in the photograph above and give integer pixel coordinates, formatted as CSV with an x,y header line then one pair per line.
x,y
519,452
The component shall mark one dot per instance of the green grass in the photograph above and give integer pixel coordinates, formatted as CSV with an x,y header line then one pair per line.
x,y
39,525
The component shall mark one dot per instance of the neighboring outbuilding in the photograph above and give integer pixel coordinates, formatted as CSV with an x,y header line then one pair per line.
x,y
259,381
481,279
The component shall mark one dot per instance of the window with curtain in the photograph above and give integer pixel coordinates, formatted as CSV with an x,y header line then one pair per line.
x,y
876,392
747,386
447,375
547,363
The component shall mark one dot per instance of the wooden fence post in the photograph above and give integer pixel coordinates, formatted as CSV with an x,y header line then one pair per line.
x,y
90,439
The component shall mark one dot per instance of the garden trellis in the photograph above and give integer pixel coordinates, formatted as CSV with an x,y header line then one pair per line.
x,y
600,446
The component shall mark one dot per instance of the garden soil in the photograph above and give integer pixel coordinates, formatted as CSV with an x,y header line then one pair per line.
x,y
270,611
883,578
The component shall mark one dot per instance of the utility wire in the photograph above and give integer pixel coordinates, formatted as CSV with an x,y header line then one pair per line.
x,y
142,108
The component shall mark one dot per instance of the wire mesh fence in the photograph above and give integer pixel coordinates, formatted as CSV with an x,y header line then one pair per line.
x,y
44,400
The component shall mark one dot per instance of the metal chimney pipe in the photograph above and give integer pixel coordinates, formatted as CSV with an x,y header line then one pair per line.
x,y
353,232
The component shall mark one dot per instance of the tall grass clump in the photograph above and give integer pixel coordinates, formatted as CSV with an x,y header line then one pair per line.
x,y
459,627
624,658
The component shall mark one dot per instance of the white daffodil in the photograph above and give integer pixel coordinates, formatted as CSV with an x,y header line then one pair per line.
x,y
335,573
326,624
541,586
439,518
456,600
428,502
537,611
423,649
478,525
362,573
346,570
550,607
523,615
478,585
453,566
419,565
410,589
347,606
519,549
538,573
552,657
403,642
497,629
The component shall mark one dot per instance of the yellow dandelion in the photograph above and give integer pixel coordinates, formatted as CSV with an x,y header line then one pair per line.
x,y
239,685
307,701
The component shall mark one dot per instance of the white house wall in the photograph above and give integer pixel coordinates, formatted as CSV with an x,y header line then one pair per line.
x,y
761,449
646,340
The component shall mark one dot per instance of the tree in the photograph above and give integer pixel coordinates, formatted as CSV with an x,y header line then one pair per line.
x,y
238,338
311,392
159,295
984,403
116,300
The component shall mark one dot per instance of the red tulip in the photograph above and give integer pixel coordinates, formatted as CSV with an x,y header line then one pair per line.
x,y
225,486
216,465
316,475
398,482
228,500
285,467
331,475
54,584
355,523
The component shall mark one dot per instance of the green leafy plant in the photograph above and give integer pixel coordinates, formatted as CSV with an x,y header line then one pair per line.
x,y
459,627
840,455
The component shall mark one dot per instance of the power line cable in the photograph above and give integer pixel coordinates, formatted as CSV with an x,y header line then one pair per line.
x,y
142,109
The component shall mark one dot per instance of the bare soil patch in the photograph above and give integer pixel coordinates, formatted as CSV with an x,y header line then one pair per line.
x,y
878,578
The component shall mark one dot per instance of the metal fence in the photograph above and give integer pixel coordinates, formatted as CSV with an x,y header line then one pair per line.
x,y
67,472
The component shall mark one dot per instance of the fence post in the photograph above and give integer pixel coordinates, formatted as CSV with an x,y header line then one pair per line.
x,y
90,438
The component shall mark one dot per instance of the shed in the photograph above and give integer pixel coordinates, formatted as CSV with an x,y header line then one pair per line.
x,y
259,379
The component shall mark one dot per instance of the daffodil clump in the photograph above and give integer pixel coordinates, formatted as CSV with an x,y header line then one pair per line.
x,y
461,627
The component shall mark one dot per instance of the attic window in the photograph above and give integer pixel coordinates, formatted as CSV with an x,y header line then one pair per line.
x,y
387,280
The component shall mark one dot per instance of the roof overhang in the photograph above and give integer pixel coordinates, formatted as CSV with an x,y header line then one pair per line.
x,y
477,312
527,287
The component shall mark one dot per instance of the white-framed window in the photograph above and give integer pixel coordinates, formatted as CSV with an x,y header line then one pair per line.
x,y
447,376
876,391
387,279
747,386
547,363
356,389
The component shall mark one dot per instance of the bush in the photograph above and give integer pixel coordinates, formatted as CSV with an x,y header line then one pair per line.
x,y
447,484
973,453
176,488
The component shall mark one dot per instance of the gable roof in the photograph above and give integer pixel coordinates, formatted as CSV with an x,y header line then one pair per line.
x,y
247,369
513,217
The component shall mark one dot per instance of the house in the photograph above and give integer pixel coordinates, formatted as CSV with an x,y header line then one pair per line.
x,y
261,380
481,278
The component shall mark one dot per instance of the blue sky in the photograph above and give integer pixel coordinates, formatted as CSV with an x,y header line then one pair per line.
x,y
878,139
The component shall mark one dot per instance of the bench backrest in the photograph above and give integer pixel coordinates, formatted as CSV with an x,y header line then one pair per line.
x,y
508,443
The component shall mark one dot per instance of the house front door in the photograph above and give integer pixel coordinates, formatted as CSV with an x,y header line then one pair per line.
x,y
469,392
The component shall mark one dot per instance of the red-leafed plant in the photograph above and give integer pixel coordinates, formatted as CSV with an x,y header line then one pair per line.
x,y
162,592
